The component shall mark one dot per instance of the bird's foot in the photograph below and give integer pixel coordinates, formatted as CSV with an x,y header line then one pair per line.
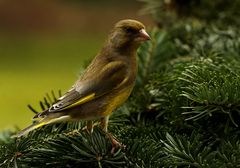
x,y
89,127
115,143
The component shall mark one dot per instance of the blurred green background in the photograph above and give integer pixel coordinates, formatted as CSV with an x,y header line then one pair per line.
x,y
44,45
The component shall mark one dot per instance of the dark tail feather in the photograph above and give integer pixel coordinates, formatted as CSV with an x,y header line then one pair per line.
x,y
40,115
42,122
32,127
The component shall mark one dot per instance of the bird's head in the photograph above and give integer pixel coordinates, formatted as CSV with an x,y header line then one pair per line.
x,y
128,34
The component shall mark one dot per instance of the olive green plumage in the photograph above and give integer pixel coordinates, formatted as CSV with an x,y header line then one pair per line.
x,y
106,83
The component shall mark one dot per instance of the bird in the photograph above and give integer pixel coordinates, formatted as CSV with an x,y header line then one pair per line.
x,y
105,84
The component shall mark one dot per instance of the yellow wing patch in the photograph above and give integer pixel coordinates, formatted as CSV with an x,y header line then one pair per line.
x,y
39,125
81,101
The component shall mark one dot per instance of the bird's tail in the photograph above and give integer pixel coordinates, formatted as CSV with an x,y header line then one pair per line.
x,y
40,123
34,126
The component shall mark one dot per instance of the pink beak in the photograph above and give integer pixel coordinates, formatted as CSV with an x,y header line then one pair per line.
x,y
143,35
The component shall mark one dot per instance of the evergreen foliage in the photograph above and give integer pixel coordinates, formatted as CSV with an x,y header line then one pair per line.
x,y
168,12
184,111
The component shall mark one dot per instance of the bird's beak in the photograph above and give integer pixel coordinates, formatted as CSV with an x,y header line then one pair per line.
x,y
143,35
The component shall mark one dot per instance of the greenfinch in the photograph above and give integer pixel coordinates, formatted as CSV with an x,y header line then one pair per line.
x,y
106,83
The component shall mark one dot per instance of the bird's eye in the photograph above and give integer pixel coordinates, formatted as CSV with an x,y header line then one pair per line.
x,y
130,30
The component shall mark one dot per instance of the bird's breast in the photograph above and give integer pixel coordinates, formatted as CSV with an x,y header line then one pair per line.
x,y
118,99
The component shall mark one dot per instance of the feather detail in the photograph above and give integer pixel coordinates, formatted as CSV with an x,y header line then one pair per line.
x,y
40,115
81,101
41,123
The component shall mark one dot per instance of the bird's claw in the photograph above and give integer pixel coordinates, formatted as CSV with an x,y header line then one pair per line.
x,y
115,143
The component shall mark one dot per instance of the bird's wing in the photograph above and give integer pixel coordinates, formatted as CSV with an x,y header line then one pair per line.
x,y
109,78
